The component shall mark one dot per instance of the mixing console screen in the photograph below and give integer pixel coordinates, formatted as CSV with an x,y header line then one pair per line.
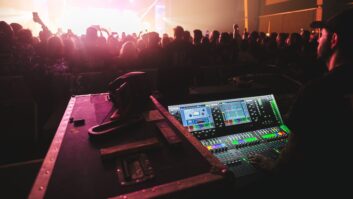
x,y
235,113
233,129
197,117
224,117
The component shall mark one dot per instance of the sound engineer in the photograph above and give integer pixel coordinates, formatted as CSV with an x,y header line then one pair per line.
x,y
321,122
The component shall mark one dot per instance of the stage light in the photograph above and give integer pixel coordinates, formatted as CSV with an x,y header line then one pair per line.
x,y
114,15
112,19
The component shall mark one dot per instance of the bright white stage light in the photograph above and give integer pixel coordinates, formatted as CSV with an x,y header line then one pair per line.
x,y
79,19
118,16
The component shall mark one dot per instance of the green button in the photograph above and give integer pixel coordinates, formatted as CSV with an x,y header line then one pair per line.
x,y
235,142
269,136
252,139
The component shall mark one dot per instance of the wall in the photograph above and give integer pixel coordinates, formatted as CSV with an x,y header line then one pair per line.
x,y
287,22
205,14
286,16
254,11
292,15
285,6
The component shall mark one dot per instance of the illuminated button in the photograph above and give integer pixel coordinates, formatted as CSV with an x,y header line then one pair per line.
x,y
235,142
251,139
269,136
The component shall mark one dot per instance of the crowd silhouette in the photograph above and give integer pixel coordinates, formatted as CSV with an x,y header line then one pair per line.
x,y
99,50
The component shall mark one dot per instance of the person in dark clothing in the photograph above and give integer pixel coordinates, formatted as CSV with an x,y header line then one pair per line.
x,y
314,162
177,73
152,55
179,51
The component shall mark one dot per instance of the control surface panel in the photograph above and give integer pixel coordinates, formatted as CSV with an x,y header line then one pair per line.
x,y
233,129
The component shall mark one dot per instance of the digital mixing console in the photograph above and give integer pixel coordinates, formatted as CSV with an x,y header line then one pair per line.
x,y
233,129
